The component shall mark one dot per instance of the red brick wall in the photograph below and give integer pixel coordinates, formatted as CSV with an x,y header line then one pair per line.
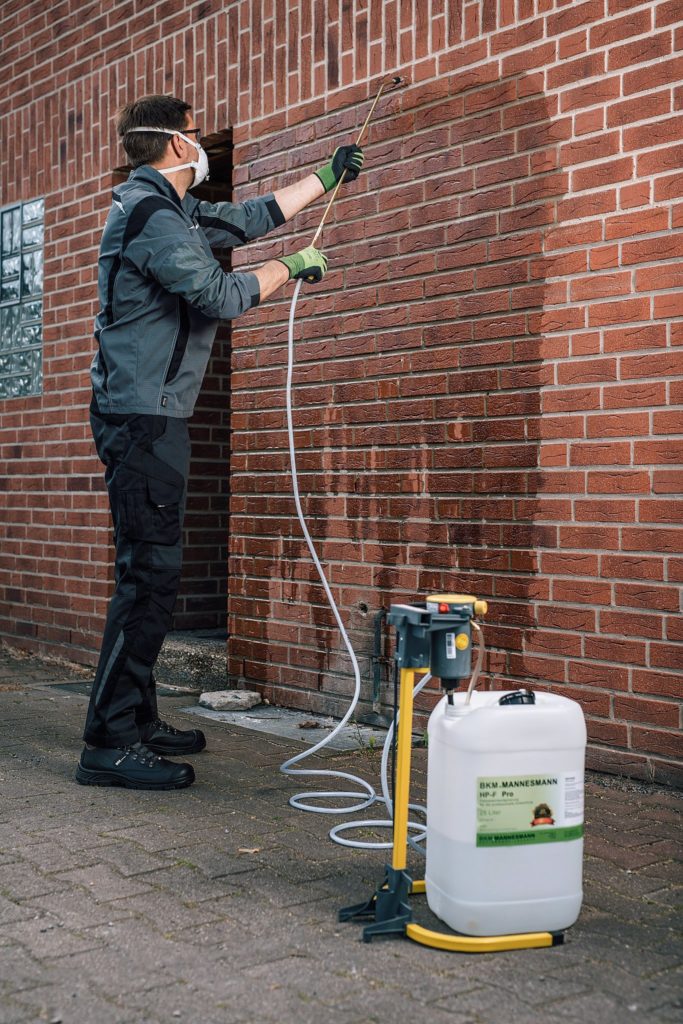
x,y
487,380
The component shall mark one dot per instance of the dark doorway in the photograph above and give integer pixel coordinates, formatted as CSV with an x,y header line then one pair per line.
x,y
202,599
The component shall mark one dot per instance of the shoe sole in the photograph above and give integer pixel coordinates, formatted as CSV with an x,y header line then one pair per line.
x,y
87,777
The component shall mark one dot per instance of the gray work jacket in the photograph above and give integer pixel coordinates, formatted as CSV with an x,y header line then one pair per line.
x,y
162,292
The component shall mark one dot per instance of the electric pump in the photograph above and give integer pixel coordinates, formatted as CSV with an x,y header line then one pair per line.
x,y
437,634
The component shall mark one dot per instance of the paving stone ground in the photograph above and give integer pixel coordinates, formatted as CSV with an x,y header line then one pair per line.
x,y
121,907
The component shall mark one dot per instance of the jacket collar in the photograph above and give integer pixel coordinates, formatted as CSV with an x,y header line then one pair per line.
x,y
159,181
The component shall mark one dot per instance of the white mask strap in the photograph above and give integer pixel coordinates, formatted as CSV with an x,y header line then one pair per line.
x,y
168,131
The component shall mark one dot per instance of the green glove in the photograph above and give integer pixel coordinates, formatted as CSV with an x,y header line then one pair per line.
x,y
308,264
344,158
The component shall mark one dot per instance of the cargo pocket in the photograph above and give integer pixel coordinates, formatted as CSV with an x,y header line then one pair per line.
x,y
146,494
164,499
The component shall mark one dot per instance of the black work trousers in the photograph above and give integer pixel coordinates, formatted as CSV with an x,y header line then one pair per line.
x,y
147,462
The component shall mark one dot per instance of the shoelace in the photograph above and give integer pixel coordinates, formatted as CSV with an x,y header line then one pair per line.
x,y
139,753
160,725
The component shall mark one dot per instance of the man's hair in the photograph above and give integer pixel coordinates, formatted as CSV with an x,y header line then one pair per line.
x,y
150,112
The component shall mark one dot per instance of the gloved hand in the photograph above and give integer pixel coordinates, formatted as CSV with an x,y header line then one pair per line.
x,y
344,158
308,264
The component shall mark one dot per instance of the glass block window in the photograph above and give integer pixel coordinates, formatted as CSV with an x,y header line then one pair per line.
x,y
21,299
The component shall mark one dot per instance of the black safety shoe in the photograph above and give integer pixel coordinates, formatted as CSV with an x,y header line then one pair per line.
x,y
134,767
162,738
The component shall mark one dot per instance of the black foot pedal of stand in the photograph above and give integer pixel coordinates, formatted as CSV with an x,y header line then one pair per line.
x,y
388,908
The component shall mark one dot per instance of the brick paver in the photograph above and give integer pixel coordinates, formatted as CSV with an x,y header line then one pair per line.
x,y
122,907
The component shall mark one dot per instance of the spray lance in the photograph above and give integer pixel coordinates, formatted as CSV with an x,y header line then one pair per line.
x,y
387,84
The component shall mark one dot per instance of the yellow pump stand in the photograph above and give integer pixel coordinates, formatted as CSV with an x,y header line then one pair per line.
x,y
404,746
425,936
479,944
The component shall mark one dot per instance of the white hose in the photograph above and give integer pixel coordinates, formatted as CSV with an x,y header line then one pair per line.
x,y
367,795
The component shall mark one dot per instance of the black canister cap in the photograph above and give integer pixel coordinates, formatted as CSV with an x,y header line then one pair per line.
x,y
519,697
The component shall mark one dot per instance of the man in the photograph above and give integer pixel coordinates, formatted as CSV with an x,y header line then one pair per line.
x,y
162,293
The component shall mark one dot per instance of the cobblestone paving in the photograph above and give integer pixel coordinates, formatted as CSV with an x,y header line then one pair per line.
x,y
120,907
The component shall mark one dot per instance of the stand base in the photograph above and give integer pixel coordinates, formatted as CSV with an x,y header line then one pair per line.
x,y
389,912
482,944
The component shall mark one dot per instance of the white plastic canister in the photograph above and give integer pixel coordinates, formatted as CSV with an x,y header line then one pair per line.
x,y
505,814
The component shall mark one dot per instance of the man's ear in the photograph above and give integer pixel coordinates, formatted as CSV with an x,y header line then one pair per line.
x,y
176,145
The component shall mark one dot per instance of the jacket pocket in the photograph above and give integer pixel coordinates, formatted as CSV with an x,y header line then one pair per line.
x,y
146,495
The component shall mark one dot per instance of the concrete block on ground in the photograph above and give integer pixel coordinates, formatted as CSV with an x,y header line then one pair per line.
x,y
230,700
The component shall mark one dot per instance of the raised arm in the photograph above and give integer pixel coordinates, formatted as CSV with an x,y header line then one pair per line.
x,y
228,225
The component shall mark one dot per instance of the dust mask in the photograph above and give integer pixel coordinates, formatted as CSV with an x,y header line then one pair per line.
x,y
200,165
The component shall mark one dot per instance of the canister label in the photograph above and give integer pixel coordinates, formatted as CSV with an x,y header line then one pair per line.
x,y
513,810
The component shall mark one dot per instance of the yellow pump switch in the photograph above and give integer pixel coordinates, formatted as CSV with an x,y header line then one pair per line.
x,y
480,607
